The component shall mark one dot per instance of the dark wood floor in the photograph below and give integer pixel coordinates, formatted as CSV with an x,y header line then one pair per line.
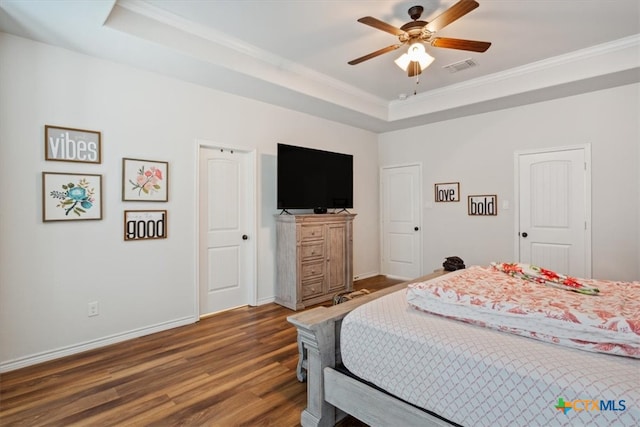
x,y
235,368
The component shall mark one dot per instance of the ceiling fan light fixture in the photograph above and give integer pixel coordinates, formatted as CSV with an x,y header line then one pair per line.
x,y
403,61
425,61
415,53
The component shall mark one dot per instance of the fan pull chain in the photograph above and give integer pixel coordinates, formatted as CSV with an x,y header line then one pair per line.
x,y
415,64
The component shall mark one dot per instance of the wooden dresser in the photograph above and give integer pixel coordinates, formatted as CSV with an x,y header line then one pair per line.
x,y
314,256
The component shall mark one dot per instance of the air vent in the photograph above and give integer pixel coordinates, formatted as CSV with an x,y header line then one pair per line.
x,y
461,65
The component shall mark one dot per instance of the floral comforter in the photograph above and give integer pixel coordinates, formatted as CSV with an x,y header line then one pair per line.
x,y
608,322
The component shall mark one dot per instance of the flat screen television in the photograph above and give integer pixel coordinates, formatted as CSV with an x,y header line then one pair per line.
x,y
314,179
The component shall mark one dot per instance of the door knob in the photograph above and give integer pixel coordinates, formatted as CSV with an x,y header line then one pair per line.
x,y
416,228
524,234
245,237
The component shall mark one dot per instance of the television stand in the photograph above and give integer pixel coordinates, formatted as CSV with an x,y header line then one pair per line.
x,y
314,258
284,211
342,210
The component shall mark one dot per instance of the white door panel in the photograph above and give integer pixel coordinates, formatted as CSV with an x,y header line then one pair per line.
x,y
226,274
553,211
554,257
221,276
401,248
401,221
223,185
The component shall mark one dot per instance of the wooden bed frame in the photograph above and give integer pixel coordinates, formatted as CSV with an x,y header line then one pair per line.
x,y
332,395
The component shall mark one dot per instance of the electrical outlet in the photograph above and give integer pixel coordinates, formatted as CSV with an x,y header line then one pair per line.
x,y
92,309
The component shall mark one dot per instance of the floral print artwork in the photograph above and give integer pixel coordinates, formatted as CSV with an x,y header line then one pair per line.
x,y
75,198
147,181
71,196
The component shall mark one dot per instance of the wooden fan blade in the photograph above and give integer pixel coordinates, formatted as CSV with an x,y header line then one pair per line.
x,y
378,24
414,69
472,45
455,12
374,54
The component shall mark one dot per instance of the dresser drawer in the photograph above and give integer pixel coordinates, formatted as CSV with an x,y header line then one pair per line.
x,y
311,288
309,232
312,250
312,269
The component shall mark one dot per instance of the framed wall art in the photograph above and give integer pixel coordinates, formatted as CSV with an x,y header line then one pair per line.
x,y
71,196
447,192
72,145
483,205
145,180
145,224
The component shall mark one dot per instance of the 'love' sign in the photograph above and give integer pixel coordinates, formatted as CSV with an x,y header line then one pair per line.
x,y
448,192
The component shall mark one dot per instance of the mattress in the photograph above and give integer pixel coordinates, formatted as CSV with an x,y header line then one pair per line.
x,y
476,376
608,322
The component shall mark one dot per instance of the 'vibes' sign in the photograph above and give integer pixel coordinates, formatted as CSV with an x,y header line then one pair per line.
x,y
72,145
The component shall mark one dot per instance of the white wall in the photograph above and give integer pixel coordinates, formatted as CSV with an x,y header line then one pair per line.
x,y
50,271
478,152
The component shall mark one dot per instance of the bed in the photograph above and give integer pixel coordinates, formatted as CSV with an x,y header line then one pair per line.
x,y
366,358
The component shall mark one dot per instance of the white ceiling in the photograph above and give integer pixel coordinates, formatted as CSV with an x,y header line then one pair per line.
x,y
294,53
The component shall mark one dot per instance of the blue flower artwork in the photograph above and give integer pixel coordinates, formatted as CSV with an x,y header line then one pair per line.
x,y
71,196
75,199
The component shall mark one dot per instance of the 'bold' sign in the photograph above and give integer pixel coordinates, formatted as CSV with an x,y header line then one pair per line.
x,y
483,205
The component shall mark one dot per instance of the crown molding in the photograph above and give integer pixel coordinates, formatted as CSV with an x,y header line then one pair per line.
x,y
315,92
281,71
607,58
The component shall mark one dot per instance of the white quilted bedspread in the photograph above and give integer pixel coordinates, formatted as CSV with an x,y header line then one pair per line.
x,y
475,376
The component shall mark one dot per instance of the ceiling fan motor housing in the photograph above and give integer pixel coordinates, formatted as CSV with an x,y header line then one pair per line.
x,y
415,12
415,29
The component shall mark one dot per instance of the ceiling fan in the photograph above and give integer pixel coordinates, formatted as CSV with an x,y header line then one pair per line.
x,y
417,32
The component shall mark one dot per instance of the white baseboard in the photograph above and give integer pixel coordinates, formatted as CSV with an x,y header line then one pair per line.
x,y
268,300
46,356
365,275
391,276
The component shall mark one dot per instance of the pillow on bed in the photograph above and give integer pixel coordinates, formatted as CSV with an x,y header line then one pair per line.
x,y
537,274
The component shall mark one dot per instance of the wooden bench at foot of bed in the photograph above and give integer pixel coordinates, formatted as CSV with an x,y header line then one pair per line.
x,y
331,394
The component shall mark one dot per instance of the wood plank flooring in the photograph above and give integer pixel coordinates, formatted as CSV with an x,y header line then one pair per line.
x,y
235,368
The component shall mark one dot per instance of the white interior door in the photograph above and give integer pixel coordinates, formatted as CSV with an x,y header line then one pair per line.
x,y
554,210
226,230
401,189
